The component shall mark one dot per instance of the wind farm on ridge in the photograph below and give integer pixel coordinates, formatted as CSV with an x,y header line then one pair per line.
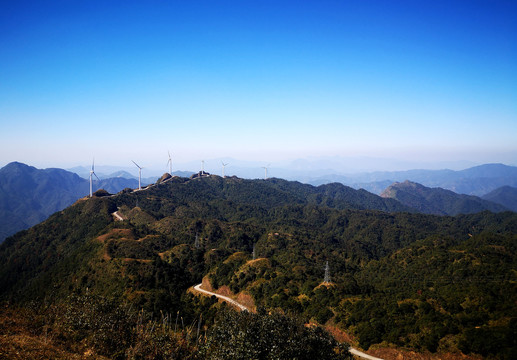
x,y
201,173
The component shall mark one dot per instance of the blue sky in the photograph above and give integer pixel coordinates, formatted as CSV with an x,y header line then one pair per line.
x,y
421,81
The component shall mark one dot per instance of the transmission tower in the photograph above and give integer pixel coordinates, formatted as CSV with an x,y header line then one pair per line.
x,y
326,279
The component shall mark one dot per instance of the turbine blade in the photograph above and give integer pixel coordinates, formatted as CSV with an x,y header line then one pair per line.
x,y
96,176
138,166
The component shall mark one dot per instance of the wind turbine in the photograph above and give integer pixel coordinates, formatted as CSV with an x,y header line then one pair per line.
x,y
265,171
139,175
170,163
92,172
202,167
326,279
223,167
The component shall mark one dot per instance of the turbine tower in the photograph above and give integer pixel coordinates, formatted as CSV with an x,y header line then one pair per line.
x,y
265,171
170,163
202,167
92,172
326,279
223,167
139,175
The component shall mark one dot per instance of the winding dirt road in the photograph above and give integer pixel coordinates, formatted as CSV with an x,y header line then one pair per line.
x,y
225,298
353,351
117,215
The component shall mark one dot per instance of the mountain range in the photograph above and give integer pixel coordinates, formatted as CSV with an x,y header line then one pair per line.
x,y
505,195
29,195
439,201
397,279
108,172
478,180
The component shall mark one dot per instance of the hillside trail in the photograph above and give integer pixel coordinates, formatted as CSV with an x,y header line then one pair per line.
x,y
117,216
197,288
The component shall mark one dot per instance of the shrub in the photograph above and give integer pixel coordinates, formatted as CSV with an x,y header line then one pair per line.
x,y
244,335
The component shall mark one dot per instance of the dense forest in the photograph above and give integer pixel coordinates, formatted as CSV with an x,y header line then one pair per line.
x,y
422,282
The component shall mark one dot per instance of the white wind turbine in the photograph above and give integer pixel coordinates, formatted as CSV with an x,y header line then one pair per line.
x,y
223,167
170,163
139,175
92,172
202,167
265,171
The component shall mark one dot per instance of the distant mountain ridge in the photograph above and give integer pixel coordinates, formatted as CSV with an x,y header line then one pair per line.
x,y
478,180
505,195
438,201
108,172
29,195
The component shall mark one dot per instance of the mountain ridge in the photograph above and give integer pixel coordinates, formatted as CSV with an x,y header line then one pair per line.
x,y
438,201
29,195
37,204
505,195
478,180
410,272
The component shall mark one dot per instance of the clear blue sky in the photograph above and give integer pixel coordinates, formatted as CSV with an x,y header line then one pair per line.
x,y
258,80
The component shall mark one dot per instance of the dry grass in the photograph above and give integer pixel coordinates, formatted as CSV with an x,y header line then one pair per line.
x,y
21,339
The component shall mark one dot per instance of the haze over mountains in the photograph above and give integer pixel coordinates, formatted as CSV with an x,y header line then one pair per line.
x,y
478,180
505,195
29,195
438,201
108,172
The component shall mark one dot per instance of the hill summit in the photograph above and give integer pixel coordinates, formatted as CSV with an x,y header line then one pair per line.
x,y
437,201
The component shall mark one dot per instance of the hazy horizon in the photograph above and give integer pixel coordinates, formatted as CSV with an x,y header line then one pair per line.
x,y
389,86
291,170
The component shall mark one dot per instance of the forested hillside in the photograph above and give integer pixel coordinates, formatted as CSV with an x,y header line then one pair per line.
x,y
438,201
423,282
29,195
505,195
